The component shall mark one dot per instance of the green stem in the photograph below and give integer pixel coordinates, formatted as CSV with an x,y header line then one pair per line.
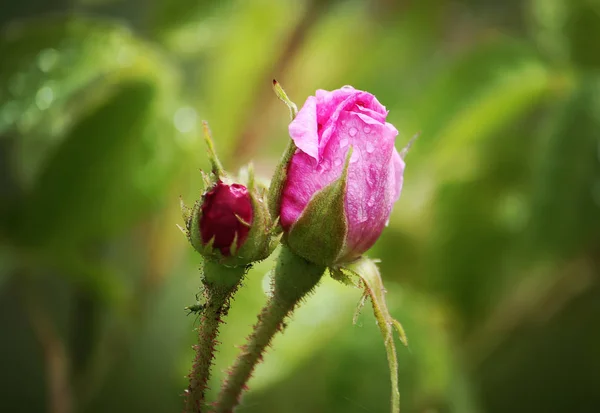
x,y
220,283
294,279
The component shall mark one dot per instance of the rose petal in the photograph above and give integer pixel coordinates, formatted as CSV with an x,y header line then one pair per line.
x,y
304,129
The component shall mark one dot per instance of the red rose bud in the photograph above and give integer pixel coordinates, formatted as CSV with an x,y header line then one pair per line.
x,y
230,223
226,217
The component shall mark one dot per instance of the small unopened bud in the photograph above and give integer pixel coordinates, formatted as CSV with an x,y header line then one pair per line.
x,y
226,217
230,223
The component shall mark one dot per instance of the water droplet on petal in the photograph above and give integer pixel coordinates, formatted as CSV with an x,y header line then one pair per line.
x,y
347,87
44,98
343,143
371,200
323,166
367,129
352,131
370,147
355,156
337,162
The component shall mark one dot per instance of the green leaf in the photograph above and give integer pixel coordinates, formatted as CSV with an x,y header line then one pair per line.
x,y
368,272
582,30
58,69
487,89
566,196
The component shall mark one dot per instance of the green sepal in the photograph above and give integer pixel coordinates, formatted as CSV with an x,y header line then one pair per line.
x,y
280,175
285,99
319,235
258,245
216,166
193,226
342,277
278,181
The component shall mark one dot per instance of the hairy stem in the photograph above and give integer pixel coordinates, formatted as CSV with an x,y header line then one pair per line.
x,y
220,283
294,279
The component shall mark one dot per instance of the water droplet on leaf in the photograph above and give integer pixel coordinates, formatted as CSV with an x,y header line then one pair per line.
x,y
44,97
47,59
185,119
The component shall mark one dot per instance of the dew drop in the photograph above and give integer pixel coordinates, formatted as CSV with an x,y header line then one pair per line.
x,y
8,113
367,129
185,119
343,143
44,97
47,59
355,156
337,162
352,131
361,216
323,166
370,147
347,87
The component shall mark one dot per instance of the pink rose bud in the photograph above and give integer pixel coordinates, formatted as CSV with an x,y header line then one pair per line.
x,y
226,216
335,203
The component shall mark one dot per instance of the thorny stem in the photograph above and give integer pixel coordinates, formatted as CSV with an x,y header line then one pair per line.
x,y
220,283
294,278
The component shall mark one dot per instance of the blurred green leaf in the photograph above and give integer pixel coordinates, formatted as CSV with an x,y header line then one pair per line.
x,y
582,30
486,90
88,186
45,85
566,199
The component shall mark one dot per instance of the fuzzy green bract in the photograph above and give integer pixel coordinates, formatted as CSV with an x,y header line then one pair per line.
x,y
320,232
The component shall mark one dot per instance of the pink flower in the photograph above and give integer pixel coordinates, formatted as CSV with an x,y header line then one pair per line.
x,y
324,130
224,208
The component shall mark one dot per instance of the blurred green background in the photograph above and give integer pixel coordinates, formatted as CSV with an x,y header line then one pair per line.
x,y
491,259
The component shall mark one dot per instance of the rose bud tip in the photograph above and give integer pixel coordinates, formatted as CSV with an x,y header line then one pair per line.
x,y
285,99
217,168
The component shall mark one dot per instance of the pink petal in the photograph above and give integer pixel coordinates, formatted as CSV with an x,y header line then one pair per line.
x,y
304,129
